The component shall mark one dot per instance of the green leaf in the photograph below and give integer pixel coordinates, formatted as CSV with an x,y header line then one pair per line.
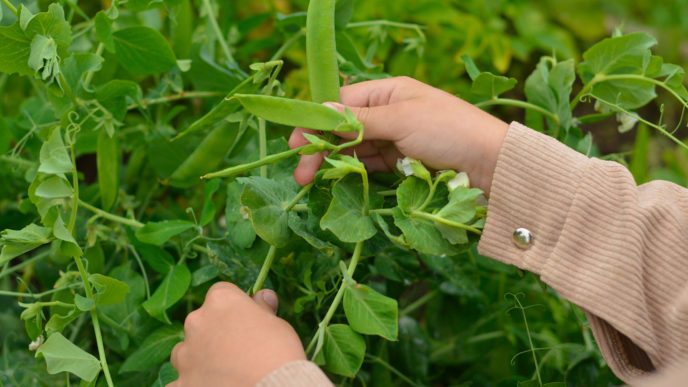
x,y
103,26
300,228
157,233
84,304
343,11
264,201
371,313
143,50
412,193
342,167
345,215
422,235
157,257
292,112
549,87
155,349
487,85
18,242
171,290
627,54
43,58
239,228
343,350
15,41
54,187
108,168
109,291
166,375
54,157
116,95
61,355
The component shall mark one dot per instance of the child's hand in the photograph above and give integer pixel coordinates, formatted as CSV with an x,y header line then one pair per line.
x,y
233,340
404,117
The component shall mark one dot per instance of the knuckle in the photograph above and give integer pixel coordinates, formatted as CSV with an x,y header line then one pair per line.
x,y
221,291
176,356
192,321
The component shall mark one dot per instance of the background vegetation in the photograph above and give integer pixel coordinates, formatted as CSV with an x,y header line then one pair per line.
x,y
464,320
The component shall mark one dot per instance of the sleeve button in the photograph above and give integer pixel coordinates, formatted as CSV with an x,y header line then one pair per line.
x,y
523,238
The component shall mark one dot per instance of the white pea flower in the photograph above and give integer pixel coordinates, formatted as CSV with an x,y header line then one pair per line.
x,y
404,165
243,212
460,180
36,343
626,122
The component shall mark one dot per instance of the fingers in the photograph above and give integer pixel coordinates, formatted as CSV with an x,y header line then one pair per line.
x,y
308,164
379,122
379,92
267,299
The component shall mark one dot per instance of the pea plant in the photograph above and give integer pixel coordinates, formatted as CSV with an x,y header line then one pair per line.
x,y
141,167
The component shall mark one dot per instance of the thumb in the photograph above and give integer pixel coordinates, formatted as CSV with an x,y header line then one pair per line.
x,y
377,121
267,299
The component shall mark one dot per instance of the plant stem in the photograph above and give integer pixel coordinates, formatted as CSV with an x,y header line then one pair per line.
x,y
530,339
417,303
22,265
264,270
112,217
317,338
232,171
395,371
439,219
383,211
218,32
262,146
287,45
304,191
387,23
520,104
10,7
176,97
89,74
18,161
32,295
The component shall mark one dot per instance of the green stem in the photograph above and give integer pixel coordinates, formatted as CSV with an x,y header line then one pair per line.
x,y
410,308
22,265
236,170
530,339
179,96
390,192
304,191
33,295
89,74
218,32
264,270
387,23
287,45
440,219
319,334
383,211
406,379
520,104
112,217
11,7
262,146
18,161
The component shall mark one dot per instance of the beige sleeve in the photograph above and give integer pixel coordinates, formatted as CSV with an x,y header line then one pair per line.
x,y
615,249
296,374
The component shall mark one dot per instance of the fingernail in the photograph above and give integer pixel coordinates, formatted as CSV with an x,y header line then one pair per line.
x,y
336,106
270,298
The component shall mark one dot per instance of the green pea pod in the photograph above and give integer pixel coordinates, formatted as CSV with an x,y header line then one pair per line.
x,y
292,112
323,71
207,156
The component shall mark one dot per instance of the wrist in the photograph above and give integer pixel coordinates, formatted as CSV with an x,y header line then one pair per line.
x,y
489,144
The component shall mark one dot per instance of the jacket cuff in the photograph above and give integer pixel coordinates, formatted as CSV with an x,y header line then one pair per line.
x,y
296,374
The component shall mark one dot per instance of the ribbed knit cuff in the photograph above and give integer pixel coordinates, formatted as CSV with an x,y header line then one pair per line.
x,y
533,187
296,374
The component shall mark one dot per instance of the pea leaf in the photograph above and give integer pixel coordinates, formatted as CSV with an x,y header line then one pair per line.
x,y
116,95
143,50
157,257
103,26
157,233
124,311
109,291
82,303
16,40
343,350
171,290
166,375
61,355
108,168
627,54
549,87
371,313
264,200
487,85
345,216
412,193
18,242
421,234
54,157
239,229
343,11
155,349
300,228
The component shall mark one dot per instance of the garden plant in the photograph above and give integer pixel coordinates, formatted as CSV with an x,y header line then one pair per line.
x,y
143,158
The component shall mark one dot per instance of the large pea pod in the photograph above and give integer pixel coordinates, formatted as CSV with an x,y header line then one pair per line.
x,y
291,112
108,168
323,71
206,157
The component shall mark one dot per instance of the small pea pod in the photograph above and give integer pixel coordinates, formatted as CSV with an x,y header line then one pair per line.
x,y
206,157
292,112
323,71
